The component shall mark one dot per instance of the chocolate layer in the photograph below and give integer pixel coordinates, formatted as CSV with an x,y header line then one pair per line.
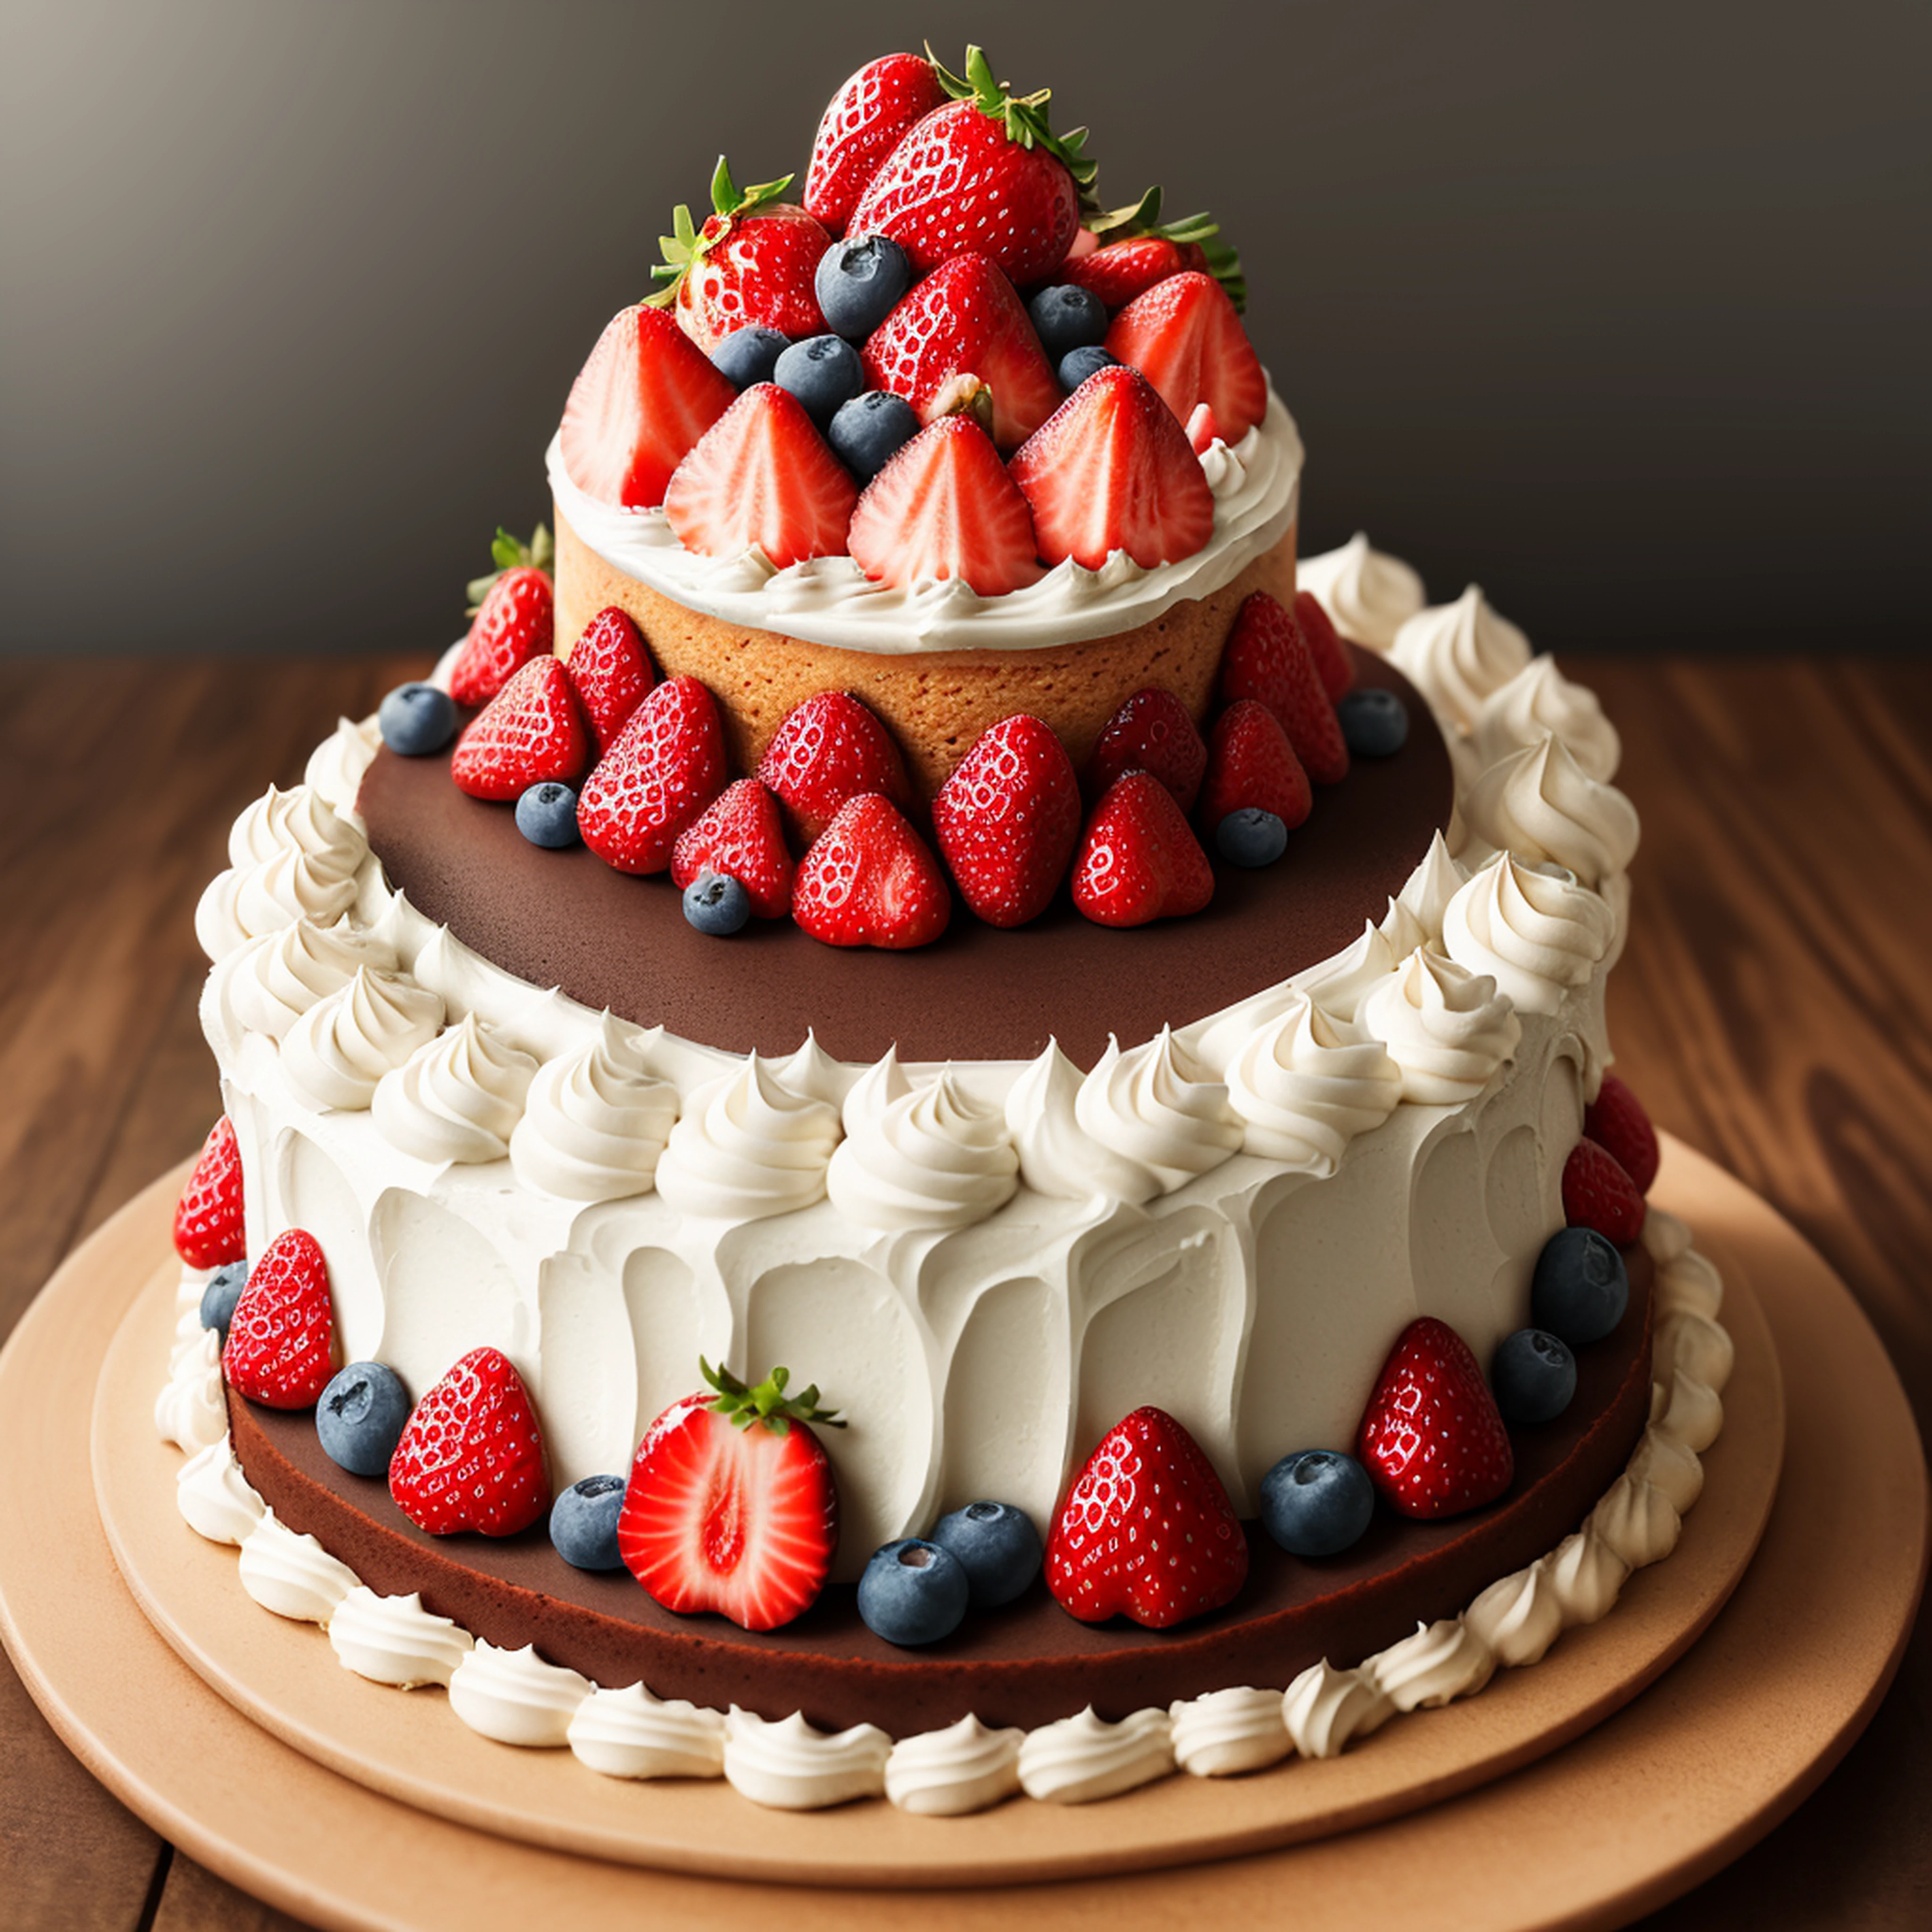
x,y
565,919
1025,1664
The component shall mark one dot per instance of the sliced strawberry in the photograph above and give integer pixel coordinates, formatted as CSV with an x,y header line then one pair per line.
x,y
1598,1193
532,730
944,507
1007,819
472,1455
281,1349
731,1506
515,621
638,407
868,880
1111,470
1332,664
1616,1121
1184,335
611,673
964,319
1203,431
1116,271
1140,859
1146,1530
866,120
207,1217
667,766
739,834
830,748
1253,767
1152,732
762,477
1267,659
1431,1440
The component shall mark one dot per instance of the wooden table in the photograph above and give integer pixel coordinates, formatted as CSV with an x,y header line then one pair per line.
x,y
1774,1009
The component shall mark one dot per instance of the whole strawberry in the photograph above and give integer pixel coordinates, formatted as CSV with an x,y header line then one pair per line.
x,y
868,880
281,1349
985,172
1433,1441
1007,819
472,1455
1140,859
1134,249
514,618
732,1506
1336,668
829,748
1598,1193
1154,732
1268,659
207,1217
739,834
1616,1121
667,765
531,732
1146,1530
1253,767
611,673
866,120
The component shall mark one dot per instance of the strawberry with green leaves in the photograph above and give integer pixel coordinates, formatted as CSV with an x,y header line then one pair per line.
x,y
514,613
1132,249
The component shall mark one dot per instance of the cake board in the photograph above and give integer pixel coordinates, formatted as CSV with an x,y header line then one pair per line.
x,y
1590,1839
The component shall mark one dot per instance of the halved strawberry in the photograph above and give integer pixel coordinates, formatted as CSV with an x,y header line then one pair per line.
x,y
667,766
868,880
944,507
829,749
1267,659
1252,767
1616,1121
964,319
739,834
611,672
513,620
1598,1193
1140,859
532,730
1007,819
471,1454
1332,664
1431,1439
1184,335
1146,1530
637,408
1152,732
1203,431
731,1505
762,476
1111,470
866,120
281,1349
207,1217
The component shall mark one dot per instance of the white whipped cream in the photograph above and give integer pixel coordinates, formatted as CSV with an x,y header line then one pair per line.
x,y
458,1097
1687,1408
1688,1284
274,980
335,1054
1457,654
1669,1467
1638,1521
946,1774
394,1640
298,820
925,1157
1703,1352
1340,985
336,766
1369,596
245,902
629,1733
1058,1157
790,1767
1442,1661
1587,1575
1303,1089
1148,1106
293,1575
515,1697
213,1496
1325,1709
813,1072
1519,1616
1079,1760
1540,803
1425,897
747,1147
1227,1733
1447,1028
1538,934
191,1411
595,1121
1539,699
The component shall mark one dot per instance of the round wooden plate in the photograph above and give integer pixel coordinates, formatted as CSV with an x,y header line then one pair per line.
x,y
1643,1807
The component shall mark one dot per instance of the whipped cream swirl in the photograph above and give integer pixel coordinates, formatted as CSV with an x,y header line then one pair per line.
x,y
1447,1028
291,1574
1540,701
1540,803
516,1697
791,1767
1080,1758
1227,1733
338,1052
1303,1089
594,1121
1340,985
1057,1156
1324,1709
629,1733
1147,1106
395,1640
1536,933
276,979
1442,1661
927,1157
1369,596
246,901
458,1098
215,1499
1457,654
336,766
748,1147
946,1774
298,820
1425,897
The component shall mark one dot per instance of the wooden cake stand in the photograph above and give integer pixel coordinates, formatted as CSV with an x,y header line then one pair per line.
x,y
433,1825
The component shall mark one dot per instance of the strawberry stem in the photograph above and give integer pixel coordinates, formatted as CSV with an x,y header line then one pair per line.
x,y
687,245
1118,224
510,553
766,1402
1024,116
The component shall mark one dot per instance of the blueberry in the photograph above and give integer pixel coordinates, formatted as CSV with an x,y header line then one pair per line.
x,y
1067,317
822,372
416,719
717,904
583,1523
913,1592
1533,1375
547,815
1077,364
858,282
1317,1502
1579,1290
998,1547
360,1416
1375,722
748,355
870,430
219,1298
1251,838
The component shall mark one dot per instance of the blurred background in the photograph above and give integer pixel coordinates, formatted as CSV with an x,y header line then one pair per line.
x,y
1620,310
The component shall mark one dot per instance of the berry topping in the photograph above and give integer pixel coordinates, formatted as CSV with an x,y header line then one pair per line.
x,y
416,719
281,1338
547,815
868,880
1374,722
1251,765
731,1505
1317,1502
738,838
861,280
1580,1288
611,673
1250,838
1066,316
1431,1440
1077,364
1115,272
207,1217
1203,431
219,1298
1111,470
762,476
824,373
1140,859
667,766
1146,1530
828,749
1152,732
513,619
1184,335
472,1455
1615,1121
716,904
870,429
913,1592
1124,254
532,730
641,402
748,355
1332,661
361,1417
1598,1193
1007,819
1267,659
945,507
583,1523
1534,1376
998,1547
866,120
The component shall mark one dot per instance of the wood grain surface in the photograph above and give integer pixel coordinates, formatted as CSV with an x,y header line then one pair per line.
x,y
1773,1009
